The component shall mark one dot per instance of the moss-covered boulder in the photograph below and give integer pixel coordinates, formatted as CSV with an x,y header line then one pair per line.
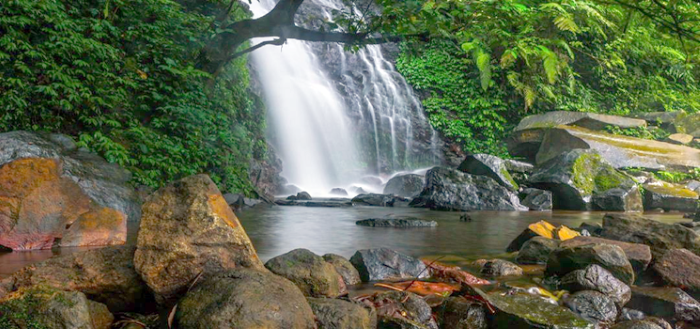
x,y
688,124
490,166
522,310
576,177
668,196
311,273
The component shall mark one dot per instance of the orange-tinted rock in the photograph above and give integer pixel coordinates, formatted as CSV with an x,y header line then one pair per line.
x,y
104,227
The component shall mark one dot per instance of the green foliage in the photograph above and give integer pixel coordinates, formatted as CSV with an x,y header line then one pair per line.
x,y
119,76
652,133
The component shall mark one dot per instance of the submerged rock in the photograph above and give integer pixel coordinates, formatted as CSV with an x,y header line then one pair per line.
x,y
638,254
244,298
667,196
536,199
658,236
386,264
612,258
536,250
340,314
592,306
373,199
596,278
396,222
413,311
448,189
521,310
187,229
407,186
679,268
344,268
669,303
311,273
490,166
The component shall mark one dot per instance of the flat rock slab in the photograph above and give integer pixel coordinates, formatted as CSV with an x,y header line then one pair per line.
x,y
679,268
397,222
672,304
658,236
668,196
522,310
638,254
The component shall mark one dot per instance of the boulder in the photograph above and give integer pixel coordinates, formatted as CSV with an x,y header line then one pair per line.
x,y
244,298
610,257
658,236
536,199
461,313
679,138
400,309
374,199
448,189
667,196
577,176
48,308
344,268
636,324
627,314
39,205
396,222
489,166
596,278
500,268
543,229
339,192
239,201
105,275
671,304
407,186
300,196
340,314
522,310
592,306
187,229
693,185
386,264
592,121
519,167
315,204
536,251
310,272
679,268
660,118
638,254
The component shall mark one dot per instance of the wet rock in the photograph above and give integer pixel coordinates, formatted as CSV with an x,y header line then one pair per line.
x,y
658,236
187,229
460,313
448,189
340,314
543,229
668,196
396,222
636,324
407,186
244,298
239,202
47,308
105,275
333,203
679,268
597,279
521,310
593,229
679,138
638,254
386,264
311,273
398,309
610,257
515,166
671,304
536,199
339,191
575,177
663,324
627,314
592,306
489,166
300,196
374,199
500,268
536,250
344,268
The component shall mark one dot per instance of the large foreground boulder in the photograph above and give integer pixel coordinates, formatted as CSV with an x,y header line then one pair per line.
x,y
638,254
612,258
244,298
105,275
340,314
671,304
448,189
583,180
311,273
490,166
187,229
521,310
667,196
386,264
596,278
407,186
658,236
679,268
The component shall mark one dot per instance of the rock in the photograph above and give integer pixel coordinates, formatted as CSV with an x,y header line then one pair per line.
x,y
300,196
340,314
499,268
536,250
678,138
411,307
461,313
310,272
668,196
520,167
577,176
693,185
316,204
610,257
593,229
668,303
344,268
339,191
448,189
658,236
543,229
596,278
679,268
396,222
187,229
592,306
636,324
48,308
39,205
386,264
105,275
663,324
638,254
522,310
407,186
592,121
659,118
627,314
536,200
373,199
490,166
239,202
688,124
244,298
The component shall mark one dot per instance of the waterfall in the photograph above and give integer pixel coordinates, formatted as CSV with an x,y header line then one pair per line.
x,y
337,116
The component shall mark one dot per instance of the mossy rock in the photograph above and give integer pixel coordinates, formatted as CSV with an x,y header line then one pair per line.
x,y
523,310
668,196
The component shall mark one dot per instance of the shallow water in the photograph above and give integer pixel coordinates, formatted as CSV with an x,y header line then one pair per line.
x,y
276,230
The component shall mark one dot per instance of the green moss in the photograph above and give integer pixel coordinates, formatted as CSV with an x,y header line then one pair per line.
x,y
583,172
537,311
609,178
505,174
666,188
23,309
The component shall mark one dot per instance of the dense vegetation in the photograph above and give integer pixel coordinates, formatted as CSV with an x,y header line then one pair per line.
x,y
119,76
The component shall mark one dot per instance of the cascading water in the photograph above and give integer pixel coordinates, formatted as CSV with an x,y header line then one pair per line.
x,y
337,116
